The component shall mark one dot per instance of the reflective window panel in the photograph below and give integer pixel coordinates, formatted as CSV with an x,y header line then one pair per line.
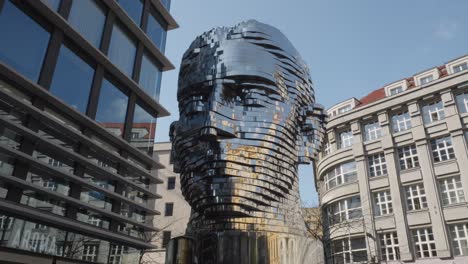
x,y
112,108
143,130
23,42
133,8
88,18
122,50
53,4
150,77
156,32
72,79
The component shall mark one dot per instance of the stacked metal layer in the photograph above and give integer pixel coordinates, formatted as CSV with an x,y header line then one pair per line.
x,y
248,118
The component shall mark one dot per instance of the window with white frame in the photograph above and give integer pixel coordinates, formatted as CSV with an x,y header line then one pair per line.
x,y
349,250
433,111
462,102
372,130
90,252
426,79
327,148
94,220
50,184
401,122
344,109
383,203
340,174
377,165
389,246
442,149
460,67
115,255
415,197
55,163
345,139
396,90
344,210
459,237
5,222
408,157
424,243
451,190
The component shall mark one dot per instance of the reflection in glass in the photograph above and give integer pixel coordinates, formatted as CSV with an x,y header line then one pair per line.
x,y
166,4
23,43
88,18
150,77
53,4
72,79
156,32
112,108
143,130
134,9
122,50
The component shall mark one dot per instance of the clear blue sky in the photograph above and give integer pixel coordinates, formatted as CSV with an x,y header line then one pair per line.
x,y
351,47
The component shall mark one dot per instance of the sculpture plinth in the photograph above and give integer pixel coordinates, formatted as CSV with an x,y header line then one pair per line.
x,y
248,118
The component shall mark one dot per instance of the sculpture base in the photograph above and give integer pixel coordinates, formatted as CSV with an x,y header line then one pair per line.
x,y
234,247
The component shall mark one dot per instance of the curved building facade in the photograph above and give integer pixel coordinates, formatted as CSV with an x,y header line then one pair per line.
x,y
79,86
393,176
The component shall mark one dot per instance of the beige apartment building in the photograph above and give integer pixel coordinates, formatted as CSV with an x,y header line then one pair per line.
x,y
175,211
393,175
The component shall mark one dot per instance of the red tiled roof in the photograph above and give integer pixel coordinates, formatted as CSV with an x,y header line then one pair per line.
x,y
372,97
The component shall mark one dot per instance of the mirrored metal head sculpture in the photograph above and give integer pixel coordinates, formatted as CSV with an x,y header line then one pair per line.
x,y
248,117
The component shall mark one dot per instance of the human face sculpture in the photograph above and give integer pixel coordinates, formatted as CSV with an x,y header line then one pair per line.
x,y
247,118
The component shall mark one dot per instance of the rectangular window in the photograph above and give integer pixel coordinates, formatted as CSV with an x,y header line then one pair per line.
x,y
169,209
442,149
145,125
90,252
72,79
408,157
451,190
112,108
433,112
424,243
5,222
88,18
401,122
24,42
326,148
415,197
383,203
344,210
155,30
459,237
150,77
345,139
396,90
122,50
372,131
377,165
340,174
171,181
426,79
344,109
389,246
166,238
349,250
460,67
115,255
462,102
133,8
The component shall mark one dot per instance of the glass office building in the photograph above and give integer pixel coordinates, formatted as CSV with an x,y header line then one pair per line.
x,y
79,88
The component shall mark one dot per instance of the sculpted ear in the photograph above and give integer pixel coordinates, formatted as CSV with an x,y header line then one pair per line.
x,y
313,120
172,136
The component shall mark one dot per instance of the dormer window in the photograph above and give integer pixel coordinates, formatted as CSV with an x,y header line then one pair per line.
x,y
396,90
426,79
460,67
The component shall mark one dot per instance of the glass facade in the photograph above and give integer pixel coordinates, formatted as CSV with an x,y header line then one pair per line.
x,y
150,77
143,130
112,108
72,79
91,28
24,42
122,50
155,31
133,8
